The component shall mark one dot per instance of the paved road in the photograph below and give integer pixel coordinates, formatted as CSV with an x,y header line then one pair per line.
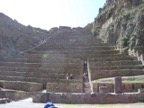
x,y
28,104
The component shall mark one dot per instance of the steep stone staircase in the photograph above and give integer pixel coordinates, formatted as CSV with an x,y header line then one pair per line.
x,y
45,66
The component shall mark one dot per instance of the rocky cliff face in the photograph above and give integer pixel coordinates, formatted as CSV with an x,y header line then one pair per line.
x,y
121,23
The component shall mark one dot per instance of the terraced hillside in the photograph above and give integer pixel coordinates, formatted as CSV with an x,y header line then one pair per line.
x,y
69,51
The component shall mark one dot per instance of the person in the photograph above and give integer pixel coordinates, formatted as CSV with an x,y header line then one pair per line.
x,y
71,76
50,105
67,76
85,66
85,75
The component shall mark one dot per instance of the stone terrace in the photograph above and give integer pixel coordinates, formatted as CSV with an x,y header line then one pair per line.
x,y
46,66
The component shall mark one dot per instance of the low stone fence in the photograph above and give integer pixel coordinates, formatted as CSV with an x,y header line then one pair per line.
x,y
68,86
4,100
23,86
126,87
14,95
82,98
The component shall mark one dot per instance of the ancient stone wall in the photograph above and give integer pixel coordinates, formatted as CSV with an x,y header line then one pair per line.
x,y
82,98
14,95
23,86
97,74
68,86
126,87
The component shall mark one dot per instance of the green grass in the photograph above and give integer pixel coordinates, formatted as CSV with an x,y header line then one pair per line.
x,y
134,81
132,105
125,80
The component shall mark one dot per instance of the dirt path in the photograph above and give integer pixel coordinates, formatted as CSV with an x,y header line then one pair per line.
x,y
29,104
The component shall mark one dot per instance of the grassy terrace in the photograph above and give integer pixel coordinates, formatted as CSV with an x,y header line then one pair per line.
x,y
131,79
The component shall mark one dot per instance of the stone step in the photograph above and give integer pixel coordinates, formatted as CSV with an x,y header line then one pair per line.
x,y
21,85
81,48
68,45
97,74
42,69
49,65
32,79
46,75
12,73
45,72
86,85
115,63
41,53
116,67
12,78
70,54
117,57
87,90
27,79
47,45
33,74
43,60
37,69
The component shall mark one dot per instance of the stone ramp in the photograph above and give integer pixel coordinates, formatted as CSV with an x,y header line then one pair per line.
x,y
87,87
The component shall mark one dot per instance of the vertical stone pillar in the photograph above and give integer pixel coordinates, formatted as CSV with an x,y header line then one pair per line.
x,y
118,85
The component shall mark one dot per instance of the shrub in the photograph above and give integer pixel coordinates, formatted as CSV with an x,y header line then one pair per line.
x,y
94,32
125,42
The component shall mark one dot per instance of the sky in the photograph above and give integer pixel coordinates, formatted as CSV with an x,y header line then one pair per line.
x,y
47,14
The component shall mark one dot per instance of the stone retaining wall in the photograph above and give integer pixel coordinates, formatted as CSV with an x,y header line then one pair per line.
x,y
126,87
23,86
81,98
97,73
68,86
14,95
4,100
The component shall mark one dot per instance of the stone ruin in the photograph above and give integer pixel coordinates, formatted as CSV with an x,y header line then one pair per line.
x,y
103,97
45,67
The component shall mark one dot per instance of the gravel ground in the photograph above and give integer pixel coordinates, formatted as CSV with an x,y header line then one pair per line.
x,y
27,103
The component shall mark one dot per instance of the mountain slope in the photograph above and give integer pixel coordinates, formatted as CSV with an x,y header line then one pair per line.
x,y
15,37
